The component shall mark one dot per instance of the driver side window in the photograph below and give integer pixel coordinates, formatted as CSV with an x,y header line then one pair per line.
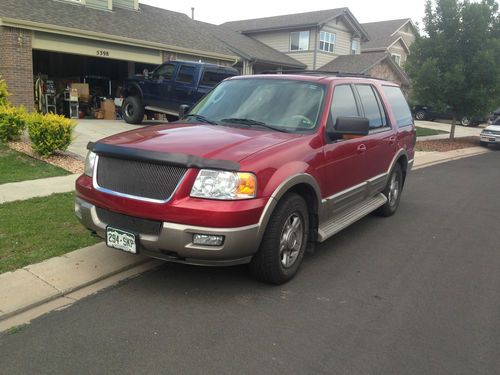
x,y
343,103
164,72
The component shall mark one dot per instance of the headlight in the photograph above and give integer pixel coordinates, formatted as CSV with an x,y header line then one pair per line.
x,y
89,164
224,185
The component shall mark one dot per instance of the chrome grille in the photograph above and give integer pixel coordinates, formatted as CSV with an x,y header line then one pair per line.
x,y
133,224
138,178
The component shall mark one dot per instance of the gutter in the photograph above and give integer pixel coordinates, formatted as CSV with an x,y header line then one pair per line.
x,y
86,34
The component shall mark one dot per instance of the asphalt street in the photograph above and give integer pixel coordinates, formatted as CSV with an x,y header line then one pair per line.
x,y
417,293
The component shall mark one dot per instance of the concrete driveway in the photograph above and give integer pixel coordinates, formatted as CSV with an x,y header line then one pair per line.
x,y
92,130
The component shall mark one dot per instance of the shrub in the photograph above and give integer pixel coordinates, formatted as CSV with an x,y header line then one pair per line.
x,y
12,122
50,133
4,94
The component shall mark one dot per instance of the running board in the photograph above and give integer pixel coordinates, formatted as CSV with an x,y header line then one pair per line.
x,y
161,110
349,216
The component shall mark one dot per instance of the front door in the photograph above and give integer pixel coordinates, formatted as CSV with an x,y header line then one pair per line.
x,y
343,171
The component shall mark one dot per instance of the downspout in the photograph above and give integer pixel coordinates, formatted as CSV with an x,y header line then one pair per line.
x,y
315,47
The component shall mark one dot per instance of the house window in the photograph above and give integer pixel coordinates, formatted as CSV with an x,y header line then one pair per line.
x,y
397,58
354,47
299,41
326,41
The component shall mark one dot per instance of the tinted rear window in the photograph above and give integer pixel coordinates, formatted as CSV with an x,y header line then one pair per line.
x,y
399,105
186,74
211,78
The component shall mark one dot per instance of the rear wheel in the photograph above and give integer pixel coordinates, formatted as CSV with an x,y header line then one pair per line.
x,y
392,192
464,121
133,110
284,242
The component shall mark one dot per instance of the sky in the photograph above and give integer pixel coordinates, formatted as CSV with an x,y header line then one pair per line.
x,y
220,11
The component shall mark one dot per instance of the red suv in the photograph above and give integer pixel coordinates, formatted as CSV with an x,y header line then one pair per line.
x,y
259,169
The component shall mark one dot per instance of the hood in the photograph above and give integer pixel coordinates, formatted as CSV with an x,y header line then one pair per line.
x,y
202,140
493,128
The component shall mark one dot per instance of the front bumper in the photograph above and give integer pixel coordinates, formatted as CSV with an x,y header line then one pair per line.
x,y
490,138
174,241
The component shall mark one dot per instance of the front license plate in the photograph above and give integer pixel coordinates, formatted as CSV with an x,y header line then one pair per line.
x,y
121,240
492,139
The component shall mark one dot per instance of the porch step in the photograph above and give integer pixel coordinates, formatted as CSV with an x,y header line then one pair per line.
x,y
349,216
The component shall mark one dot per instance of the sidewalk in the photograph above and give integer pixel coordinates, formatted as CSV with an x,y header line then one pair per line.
x,y
42,187
58,282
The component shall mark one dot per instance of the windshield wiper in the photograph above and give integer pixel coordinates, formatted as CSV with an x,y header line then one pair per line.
x,y
201,118
250,122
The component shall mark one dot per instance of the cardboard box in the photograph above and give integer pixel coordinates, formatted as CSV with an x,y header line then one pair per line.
x,y
73,95
108,106
82,88
99,114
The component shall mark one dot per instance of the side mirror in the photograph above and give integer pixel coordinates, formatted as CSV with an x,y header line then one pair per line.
x,y
349,126
183,111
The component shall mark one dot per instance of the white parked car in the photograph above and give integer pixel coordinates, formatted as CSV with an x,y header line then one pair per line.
x,y
490,135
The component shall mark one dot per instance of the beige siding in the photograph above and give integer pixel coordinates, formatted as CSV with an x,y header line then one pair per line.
x,y
408,34
305,57
99,4
343,37
280,40
324,58
129,4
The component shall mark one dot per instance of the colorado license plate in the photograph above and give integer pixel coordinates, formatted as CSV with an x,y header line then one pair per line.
x,y
121,240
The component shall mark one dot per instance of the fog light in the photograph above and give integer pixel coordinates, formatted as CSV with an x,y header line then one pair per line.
x,y
208,239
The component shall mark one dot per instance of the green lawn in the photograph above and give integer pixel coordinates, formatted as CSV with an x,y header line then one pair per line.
x,y
423,132
15,166
40,228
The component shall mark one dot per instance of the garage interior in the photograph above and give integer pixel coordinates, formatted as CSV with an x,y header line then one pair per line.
x,y
79,86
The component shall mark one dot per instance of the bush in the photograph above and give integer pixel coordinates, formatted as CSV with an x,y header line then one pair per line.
x,y
4,94
12,122
50,133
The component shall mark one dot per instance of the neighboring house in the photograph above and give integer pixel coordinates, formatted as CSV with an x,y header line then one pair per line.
x,y
394,37
376,64
255,56
313,38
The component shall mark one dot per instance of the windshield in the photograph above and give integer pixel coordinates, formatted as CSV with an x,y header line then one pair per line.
x,y
285,105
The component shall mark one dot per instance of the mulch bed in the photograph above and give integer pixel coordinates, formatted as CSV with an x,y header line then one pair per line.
x,y
443,145
59,159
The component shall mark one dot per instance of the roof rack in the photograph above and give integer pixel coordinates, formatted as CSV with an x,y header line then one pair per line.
x,y
318,72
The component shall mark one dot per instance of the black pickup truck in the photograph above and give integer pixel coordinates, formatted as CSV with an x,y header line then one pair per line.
x,y
169,86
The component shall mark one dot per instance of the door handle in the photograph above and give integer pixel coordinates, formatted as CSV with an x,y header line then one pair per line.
x,y
361,149
392,140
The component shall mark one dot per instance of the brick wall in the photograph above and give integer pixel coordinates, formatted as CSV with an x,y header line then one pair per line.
x,y
385,71
16,64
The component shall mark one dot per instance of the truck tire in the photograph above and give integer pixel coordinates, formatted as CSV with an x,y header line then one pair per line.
x,y
284,242
392,191
133,110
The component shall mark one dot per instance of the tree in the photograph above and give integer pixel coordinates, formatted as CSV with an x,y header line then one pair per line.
x,y
457,62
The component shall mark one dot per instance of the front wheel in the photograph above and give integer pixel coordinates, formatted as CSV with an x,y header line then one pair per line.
x,y
133,110
392,192
420,115
284,242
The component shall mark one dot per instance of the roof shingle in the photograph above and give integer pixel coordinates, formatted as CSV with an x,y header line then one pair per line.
x,y
381,33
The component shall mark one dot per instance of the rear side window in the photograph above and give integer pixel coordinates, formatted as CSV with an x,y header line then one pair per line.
x,y
343,103
371,105
211,78
186,74
399,105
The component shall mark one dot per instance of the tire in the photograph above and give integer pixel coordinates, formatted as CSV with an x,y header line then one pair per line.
x,y
484,144
133,110
393,196
464,121
420,115
284,243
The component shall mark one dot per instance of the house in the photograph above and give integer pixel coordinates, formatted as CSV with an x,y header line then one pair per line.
x,y
68,40
394,37
312,38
